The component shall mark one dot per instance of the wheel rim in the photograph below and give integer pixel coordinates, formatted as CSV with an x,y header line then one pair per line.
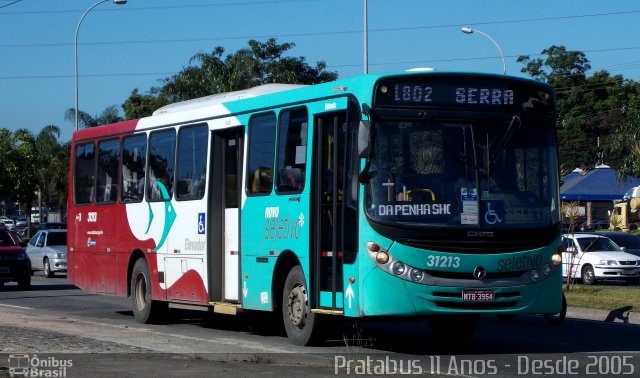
x,y
47,268
297,306
588,275
140,292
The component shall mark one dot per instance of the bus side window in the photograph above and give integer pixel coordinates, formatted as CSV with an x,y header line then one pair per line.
x,y
262,137
84,173
134,157
107,173
191,166
262,181
162,152
292,150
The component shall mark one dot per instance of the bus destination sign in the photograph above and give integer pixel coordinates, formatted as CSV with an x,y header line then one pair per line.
x,y
463,92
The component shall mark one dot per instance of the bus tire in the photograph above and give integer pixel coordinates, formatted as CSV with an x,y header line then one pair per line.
x,y
299,322
557,319
145,310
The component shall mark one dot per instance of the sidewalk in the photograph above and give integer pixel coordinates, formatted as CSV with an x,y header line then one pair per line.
x,y
622,315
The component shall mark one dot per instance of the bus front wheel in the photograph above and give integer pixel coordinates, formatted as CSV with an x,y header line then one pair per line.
x,y
299,322
145,310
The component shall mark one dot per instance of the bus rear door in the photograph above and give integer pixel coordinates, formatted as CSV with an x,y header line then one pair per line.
x,y
224,198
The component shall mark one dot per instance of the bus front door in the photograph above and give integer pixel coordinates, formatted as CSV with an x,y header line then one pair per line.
x,y
224,197
329,188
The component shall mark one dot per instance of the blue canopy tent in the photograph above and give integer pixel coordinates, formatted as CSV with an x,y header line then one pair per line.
x,y
599,184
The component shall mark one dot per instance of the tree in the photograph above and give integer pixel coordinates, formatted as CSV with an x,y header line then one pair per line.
x,y
590,110
138,106
53,162
211,73
23,175
109,115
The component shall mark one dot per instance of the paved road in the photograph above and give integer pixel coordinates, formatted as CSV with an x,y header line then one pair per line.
x,y
57,322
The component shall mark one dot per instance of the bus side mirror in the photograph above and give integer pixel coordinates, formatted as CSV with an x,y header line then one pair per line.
x,y
364,138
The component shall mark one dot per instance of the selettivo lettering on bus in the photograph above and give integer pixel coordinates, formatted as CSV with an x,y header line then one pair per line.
x,y
276,227
415,209
486,96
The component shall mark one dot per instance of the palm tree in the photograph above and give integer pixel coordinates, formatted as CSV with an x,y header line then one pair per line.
x,y
109,115
53,166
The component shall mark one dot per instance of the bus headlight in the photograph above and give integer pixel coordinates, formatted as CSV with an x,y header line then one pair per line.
x,y
416,275
556,259
546,269
534,275
382,257
398,268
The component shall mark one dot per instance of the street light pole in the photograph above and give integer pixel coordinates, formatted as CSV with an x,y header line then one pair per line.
x,y
468,30
366,39
118,2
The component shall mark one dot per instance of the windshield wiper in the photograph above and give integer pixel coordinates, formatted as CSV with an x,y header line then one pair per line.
x,y
514,125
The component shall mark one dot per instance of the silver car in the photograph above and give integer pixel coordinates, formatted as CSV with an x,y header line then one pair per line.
x,y
47,251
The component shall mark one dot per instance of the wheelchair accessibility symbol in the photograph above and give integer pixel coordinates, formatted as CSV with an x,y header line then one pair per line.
x,y
491,216
201,223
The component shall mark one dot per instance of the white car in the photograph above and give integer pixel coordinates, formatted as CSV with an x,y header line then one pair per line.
x,y
593,257
9,223
47,251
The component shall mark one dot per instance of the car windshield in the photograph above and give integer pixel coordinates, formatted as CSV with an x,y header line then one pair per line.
x,y
57,238
597,243
6,239
485,174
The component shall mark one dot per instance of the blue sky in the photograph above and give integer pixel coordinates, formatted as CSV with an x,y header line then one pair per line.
x,y
122,47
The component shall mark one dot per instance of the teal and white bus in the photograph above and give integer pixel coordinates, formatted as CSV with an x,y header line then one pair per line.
x,y
419,194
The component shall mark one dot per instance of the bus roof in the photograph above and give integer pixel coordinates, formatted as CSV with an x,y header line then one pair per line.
x,y
266,96
221,98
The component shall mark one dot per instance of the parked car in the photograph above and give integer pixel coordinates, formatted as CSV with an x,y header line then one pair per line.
x,y
592,257
14,262
47,251
627,242
21,222
10,224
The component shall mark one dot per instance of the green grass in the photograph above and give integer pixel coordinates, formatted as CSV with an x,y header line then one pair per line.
x,y
605,298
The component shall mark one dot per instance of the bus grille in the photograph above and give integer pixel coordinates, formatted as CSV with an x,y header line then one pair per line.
x,y
452,301
475,305
473,246
469,275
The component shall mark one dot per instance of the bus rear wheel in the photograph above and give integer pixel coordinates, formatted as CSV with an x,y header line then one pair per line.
x,y
299,322
145,310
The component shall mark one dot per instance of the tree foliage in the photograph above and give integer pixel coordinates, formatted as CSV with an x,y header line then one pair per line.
x,y
597,114
109,115
29,163
215,72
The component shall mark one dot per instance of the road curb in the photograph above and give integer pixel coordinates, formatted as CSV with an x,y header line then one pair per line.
x,y
622,315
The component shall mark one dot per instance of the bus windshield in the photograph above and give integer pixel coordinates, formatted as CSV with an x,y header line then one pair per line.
x,y
476,174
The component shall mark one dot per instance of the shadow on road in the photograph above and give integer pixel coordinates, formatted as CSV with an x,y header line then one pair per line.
x,y
522,335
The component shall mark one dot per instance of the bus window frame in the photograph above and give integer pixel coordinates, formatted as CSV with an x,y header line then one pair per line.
x,y
250,174
148,187
277,168
122,145
93,177
177,164
98,142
